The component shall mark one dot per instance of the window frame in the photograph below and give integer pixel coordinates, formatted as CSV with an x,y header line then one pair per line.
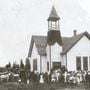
x,y
34,64
85,60
78,64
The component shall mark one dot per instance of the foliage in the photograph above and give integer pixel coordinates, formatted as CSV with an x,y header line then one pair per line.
x,y
8,65
15,65
27,65
21,64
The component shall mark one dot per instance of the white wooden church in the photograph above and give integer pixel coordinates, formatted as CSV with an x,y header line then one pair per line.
x,y
55,51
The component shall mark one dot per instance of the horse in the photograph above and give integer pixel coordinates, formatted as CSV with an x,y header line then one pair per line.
x,y
15,76
4,76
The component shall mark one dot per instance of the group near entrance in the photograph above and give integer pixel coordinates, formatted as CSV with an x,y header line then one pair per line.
x,y
54,51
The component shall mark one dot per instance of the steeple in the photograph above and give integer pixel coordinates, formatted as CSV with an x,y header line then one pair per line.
x,y
54,34
53,15
53,20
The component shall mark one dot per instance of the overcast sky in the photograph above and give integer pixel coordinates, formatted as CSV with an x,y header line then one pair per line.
x,y
20,19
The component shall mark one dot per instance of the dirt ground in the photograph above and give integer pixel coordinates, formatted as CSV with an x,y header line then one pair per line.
x,y
17,86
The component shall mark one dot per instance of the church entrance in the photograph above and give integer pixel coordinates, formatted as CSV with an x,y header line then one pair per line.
x,y
56,65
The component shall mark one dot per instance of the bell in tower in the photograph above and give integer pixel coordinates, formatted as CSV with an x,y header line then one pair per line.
x,y
53,28
53,20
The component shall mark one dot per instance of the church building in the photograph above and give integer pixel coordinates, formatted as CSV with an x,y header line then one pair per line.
x,y
54,51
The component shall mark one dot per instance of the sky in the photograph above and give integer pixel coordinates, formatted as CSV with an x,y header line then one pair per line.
x,y
20,19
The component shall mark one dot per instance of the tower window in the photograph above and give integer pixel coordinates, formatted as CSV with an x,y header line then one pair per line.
x,y
53,24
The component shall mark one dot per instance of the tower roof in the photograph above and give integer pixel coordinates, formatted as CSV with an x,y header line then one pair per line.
x,y
53,15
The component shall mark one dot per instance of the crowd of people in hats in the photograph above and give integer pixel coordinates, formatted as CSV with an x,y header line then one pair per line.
x,y
55,76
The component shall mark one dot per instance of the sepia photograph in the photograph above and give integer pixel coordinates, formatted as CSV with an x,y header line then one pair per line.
x,y
44,45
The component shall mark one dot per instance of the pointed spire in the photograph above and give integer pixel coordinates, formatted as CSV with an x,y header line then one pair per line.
x,y
53,15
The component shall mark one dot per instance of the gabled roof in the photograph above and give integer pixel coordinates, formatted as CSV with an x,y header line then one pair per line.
x,y
40,43
68,43
53,15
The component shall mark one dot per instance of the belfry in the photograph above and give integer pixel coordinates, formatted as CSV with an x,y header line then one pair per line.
x,y
54,34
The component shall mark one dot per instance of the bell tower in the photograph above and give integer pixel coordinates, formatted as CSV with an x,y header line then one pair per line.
x,y
54,40
53,20
54,34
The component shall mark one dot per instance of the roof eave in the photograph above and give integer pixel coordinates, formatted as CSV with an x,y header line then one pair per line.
x,y
31,47
53,19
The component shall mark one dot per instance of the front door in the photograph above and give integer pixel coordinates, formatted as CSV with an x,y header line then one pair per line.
x,y
56,65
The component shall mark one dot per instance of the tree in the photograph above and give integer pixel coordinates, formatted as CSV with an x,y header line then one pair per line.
x,y
8,66
27,65
21,64
15,67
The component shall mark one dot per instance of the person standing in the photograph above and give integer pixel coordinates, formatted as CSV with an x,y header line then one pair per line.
x,y
86,78
89,79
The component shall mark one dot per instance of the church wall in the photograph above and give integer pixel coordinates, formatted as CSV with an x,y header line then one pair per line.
x,y
35,56
44,63
48,54
81,48
55,53
64,58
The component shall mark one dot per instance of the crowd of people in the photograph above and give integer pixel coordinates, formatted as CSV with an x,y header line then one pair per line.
x,y
55,76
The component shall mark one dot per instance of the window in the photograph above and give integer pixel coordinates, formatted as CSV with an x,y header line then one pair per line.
x,y
89,62
56,65
78,63
47,66
35,65
85,63
53,24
